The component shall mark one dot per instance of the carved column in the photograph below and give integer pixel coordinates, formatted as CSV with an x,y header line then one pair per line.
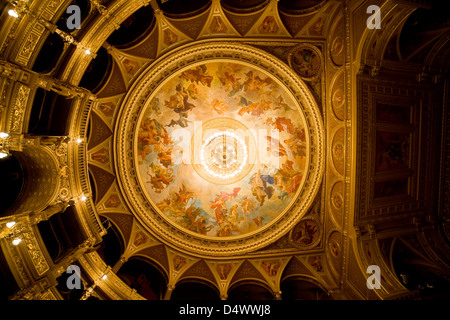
x,y
62,88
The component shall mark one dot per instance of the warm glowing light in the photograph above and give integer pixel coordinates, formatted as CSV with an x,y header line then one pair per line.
x,y
13,13
16,241
4,135
10,224
83,198
104,277
79,140
223,155
3,155
88,52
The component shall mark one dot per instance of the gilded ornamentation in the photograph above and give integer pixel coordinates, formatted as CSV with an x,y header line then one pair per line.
x,y
337,50
60,150
223,269
338,98
337,201
101,156
35,253
334,244
106,108
20,266
306,60
338,150
182,101
48,296
28,47
19,105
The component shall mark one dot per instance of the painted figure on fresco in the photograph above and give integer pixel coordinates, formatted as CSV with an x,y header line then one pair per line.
x,y
248,207
169,37
178,262
107,108
162,177
271,267
140,238
316,262
306,62
305,233
198,75
101,156
208,91
179,101
229,81
217,26
255,83
260,186
269,25
281,104
223,270
131,67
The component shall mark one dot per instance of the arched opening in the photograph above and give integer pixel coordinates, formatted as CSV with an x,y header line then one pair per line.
x,y
69,293
112,247
416,273
293,6
49,54
62,233
250,291
50,114
39,185
92,187
12,180
421,31
8,284
134,28
183,8
296,288
97,72
195,289
84,6
147,278
243,5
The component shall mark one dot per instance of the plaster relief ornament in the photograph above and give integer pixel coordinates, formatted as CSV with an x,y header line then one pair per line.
x,y
306,234
221,148
223,270
306,60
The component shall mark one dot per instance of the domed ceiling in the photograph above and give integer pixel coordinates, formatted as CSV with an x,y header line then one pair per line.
x,y
226,144
224,186
245,147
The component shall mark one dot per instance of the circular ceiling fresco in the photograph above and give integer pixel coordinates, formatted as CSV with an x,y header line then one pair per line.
x,y
220,148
